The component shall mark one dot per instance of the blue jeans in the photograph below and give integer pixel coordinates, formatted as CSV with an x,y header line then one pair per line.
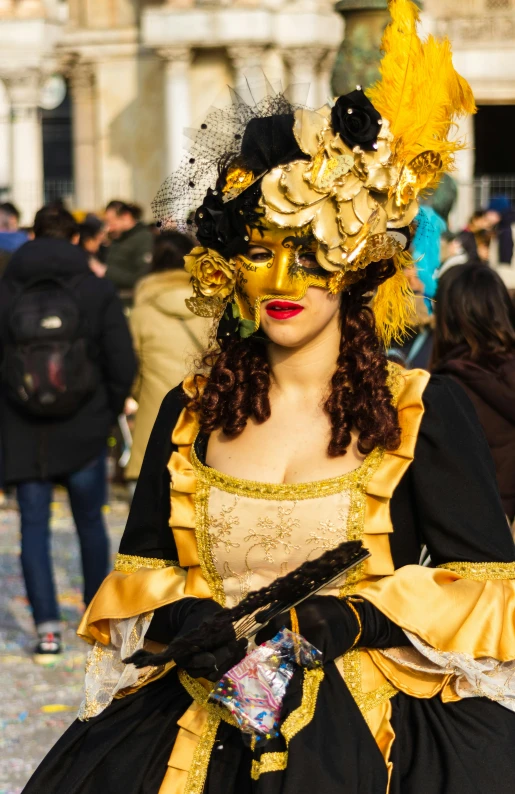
x,y
86,490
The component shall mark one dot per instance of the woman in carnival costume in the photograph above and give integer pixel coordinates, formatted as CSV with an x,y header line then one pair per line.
x,y
298,435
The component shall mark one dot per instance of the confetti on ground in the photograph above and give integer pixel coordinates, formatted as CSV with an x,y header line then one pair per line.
x,y
39,703
53,708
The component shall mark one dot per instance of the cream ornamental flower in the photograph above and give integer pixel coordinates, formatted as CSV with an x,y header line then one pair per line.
x,y
347,195
213,276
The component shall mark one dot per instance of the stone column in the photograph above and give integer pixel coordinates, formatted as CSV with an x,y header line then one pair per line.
x,y
245,60
325,67
176,101
85,155
26,143
5,136
359,55
464,175
303,65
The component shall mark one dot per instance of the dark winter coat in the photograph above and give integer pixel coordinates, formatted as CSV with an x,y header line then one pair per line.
x,y
129,257
493,395
35,448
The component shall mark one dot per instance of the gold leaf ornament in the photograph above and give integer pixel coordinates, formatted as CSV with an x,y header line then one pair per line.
x,y
332,192
417,175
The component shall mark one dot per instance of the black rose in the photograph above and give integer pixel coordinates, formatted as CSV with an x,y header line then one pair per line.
x,y
209,218
222,226
357,120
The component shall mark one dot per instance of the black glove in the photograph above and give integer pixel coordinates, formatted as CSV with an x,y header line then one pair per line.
x,y
326,622
181,617
332,626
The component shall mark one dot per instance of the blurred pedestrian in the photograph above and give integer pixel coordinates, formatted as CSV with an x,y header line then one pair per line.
x,y
11,237
474,342
68,365
91,239
475,237
130,253
166,336
502,216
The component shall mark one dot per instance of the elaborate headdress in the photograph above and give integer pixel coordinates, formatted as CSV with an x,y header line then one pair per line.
x,y
350,173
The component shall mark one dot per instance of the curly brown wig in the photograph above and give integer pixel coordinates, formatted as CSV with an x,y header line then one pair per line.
x,y
239,381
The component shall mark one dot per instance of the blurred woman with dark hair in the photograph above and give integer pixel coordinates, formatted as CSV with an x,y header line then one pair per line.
x,y
165,335
474,342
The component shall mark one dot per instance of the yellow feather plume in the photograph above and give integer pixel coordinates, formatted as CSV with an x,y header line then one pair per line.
x,y
419,92
421,95
394,303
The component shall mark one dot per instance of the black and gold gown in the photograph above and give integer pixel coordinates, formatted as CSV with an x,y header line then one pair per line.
x,y
432,716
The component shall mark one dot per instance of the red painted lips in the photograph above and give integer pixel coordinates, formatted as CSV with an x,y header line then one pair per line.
x,y
283,310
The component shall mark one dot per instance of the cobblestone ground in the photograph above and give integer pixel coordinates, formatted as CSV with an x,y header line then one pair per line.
x,y
37,703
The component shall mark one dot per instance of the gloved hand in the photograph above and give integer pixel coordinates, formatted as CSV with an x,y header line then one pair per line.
x,y
181,617
326,622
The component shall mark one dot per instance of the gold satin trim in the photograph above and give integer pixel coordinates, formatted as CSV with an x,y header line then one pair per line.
x,y
192,726
209,571
269,762
200,695
196,584
407,387
125,595
413,682
183,516
353,677
287,491
379,722
481,571
186,541
192,750
128,563
303,715
449,612
201,757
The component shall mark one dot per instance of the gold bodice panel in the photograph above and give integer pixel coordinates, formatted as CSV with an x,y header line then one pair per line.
x,y
252,532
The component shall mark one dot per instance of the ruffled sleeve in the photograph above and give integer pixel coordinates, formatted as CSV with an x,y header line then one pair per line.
x,y
465,605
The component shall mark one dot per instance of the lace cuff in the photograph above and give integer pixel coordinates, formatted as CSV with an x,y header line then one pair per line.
x,y
106,674
483,677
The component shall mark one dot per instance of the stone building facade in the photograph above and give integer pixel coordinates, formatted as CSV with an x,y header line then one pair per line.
x,y
135,74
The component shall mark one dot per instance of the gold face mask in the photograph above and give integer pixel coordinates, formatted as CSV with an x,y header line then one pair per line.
x,y
280,263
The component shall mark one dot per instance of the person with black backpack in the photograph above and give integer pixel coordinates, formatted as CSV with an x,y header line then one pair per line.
x,y
67,365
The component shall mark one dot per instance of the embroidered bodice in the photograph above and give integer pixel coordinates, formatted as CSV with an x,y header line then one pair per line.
x,y
253,532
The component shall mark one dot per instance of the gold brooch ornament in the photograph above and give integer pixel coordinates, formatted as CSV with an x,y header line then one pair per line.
x,y
213,279
237,180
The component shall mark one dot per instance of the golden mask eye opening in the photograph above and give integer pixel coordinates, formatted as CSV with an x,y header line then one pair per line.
x,y
280,263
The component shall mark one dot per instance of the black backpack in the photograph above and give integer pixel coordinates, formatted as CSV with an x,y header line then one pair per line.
x,y
48,366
